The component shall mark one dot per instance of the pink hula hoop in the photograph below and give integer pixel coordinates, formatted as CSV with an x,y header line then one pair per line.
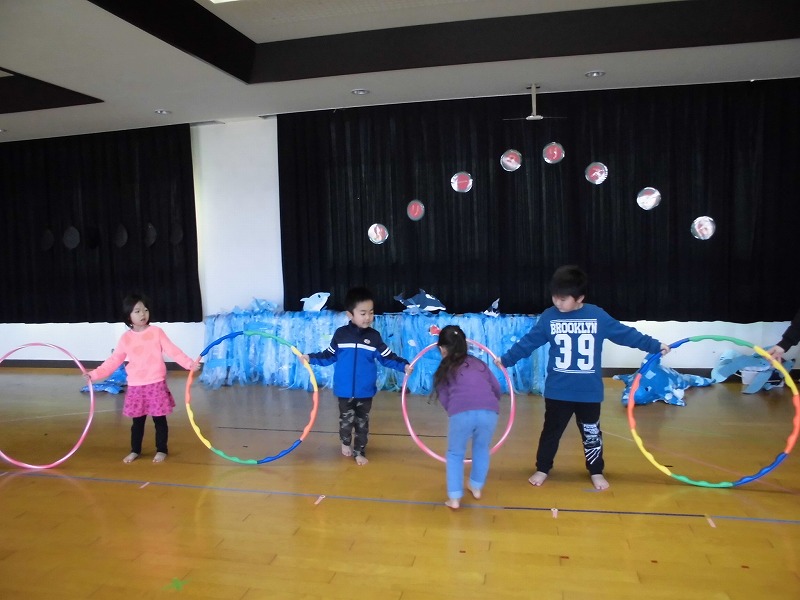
x,y
88,421
415,437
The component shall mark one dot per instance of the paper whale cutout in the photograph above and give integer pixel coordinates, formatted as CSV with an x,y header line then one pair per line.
x,y
493,311
420,303
661,383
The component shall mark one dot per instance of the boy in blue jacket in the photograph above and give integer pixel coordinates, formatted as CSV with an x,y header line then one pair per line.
x,y
354,348
574,381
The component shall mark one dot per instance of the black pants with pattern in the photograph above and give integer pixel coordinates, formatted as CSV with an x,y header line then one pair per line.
x,y
137,433
557,414
354,415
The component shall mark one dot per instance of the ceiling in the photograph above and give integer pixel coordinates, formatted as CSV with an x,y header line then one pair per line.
x,y
70,67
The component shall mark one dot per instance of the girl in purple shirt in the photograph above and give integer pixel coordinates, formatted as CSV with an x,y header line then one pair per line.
x,y
470,394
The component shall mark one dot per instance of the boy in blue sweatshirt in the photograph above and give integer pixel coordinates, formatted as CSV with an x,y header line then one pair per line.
x,y
574,381
354,348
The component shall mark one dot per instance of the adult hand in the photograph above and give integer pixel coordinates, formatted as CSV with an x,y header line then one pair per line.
x,y
776,353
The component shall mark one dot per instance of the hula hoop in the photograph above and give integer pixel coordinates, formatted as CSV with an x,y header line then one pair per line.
x,y
266,459
88,420
415,437
790,441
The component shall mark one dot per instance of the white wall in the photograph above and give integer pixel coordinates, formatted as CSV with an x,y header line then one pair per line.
x,y
238,213
695,355
238,222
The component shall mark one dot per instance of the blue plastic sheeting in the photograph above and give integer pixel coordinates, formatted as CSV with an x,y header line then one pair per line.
x,y
117,382
250,359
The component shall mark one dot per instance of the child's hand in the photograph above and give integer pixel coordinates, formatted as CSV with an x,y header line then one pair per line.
x,y
304,357
498,362
409,370
197,366
665,349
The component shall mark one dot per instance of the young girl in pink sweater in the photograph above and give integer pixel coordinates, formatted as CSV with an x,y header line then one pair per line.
x,y
144,346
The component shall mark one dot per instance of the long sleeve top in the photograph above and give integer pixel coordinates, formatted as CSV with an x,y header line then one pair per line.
x,y
144,351
574,369
355,350
792,334
472,387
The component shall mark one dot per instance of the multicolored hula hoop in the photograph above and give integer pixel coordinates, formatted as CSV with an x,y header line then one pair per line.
x,y
415,437
88,420
266,459
790,442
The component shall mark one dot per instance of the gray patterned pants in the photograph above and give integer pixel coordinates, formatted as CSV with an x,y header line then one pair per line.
x,y
354,415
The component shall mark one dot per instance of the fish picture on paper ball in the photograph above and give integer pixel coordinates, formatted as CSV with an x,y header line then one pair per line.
x,y
648,198
596,173
553,153
511,160
378,233
461,182
415,210
703,227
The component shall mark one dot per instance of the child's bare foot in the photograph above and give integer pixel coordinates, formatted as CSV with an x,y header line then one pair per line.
x,y
476,492
347,451
130,458
452,503
361,460
537,478
600,482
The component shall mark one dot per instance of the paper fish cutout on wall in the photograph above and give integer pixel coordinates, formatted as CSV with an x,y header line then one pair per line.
x,y
259,304
420,303
315,302
661,383
756,372
492,310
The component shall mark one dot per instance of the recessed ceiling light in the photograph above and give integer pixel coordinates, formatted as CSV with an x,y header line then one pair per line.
x,y
594,73
162,111
359,92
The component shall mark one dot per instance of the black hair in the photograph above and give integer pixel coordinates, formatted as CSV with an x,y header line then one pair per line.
x,y
451,338
569,280
355,296
129,302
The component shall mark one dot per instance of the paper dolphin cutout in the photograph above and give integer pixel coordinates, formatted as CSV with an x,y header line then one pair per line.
x,y
315,302
765,377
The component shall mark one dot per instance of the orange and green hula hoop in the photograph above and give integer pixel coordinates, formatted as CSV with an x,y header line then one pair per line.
x,y
266,459
790,442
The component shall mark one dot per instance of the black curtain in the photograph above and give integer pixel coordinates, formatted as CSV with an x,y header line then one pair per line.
x,y
728,151
88,219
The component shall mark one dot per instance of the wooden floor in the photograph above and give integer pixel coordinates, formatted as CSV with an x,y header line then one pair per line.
x,y
314,525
